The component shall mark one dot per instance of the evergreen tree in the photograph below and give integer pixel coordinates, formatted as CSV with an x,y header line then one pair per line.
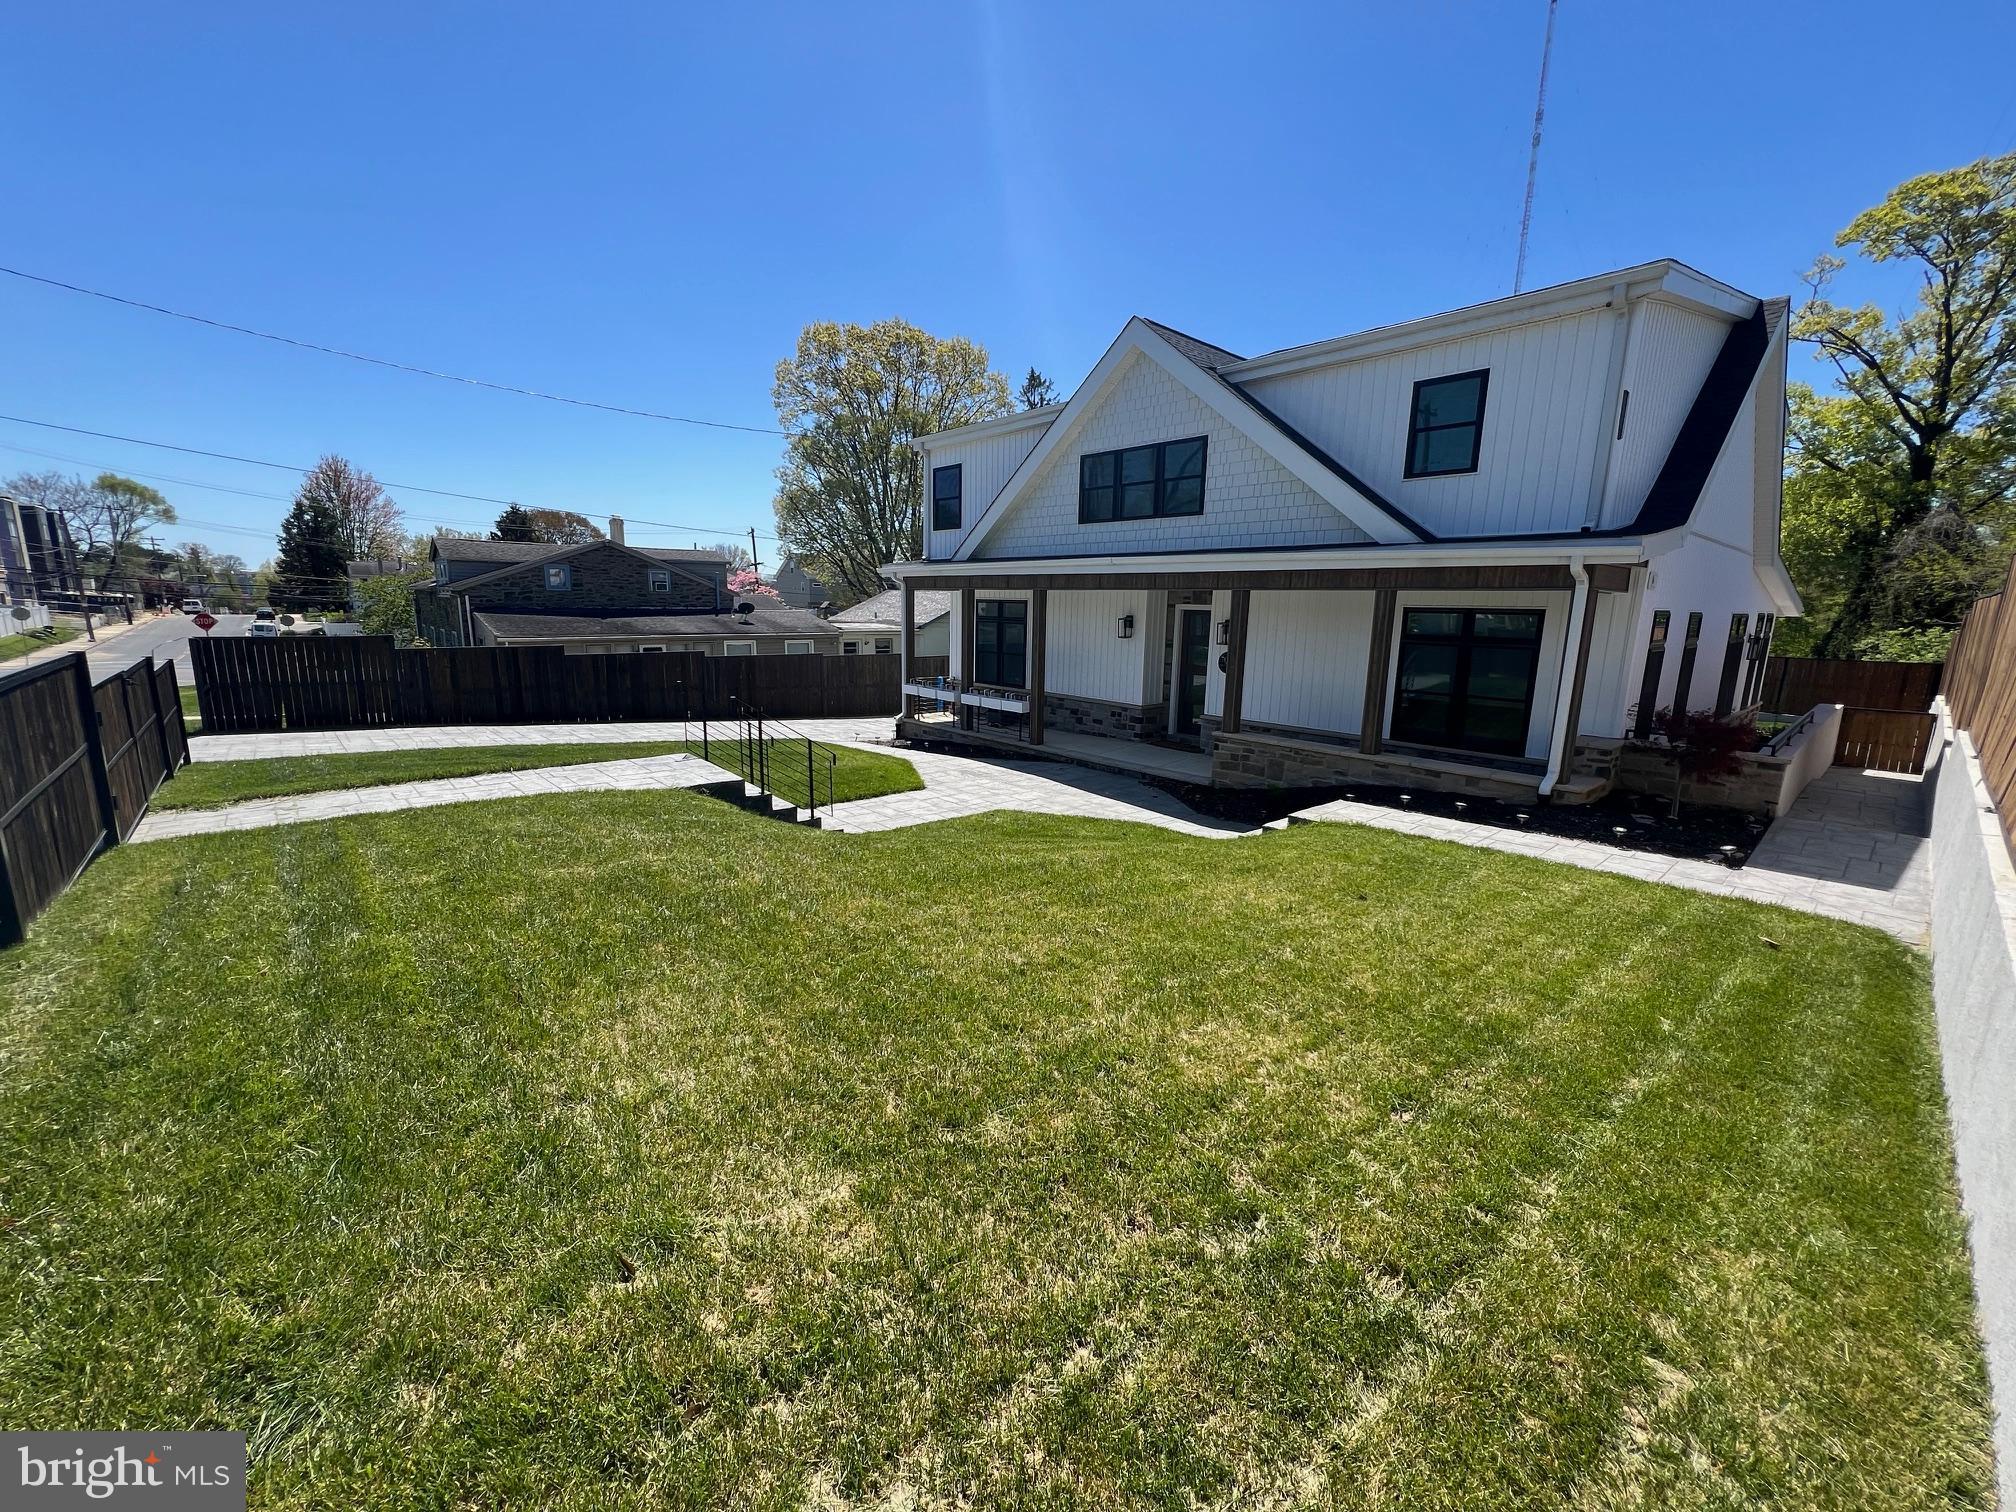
x,y
1037,391
310,573
515,524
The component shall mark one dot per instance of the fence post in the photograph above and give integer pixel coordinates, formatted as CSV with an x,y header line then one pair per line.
x,y
101,783
161,719
811,792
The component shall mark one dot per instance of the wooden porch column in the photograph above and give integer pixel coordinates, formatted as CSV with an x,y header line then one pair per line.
x,y
969,621
1578,678
1038,614
1378,657
906,646
1235,664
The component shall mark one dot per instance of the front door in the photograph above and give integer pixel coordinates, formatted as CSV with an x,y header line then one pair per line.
x,y
1193,668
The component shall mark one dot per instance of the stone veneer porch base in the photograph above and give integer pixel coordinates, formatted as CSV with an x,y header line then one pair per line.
x,y
1254,759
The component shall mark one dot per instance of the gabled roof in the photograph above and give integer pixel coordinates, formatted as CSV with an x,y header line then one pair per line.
x,y
682,562
471,549
887,609
1193,364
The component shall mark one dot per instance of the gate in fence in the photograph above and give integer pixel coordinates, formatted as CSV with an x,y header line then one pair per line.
x,y
78,765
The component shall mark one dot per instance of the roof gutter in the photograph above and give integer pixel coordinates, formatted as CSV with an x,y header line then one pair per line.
x,y
1561,744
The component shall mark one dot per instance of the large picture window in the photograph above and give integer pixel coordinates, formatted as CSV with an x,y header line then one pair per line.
x,y
1142,482
1446,425
1001,643
947,484
1466,678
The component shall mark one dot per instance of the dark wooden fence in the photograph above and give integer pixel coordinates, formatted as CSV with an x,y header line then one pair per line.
x,y
1888,740
1794,684
78,765
1981,693
361,682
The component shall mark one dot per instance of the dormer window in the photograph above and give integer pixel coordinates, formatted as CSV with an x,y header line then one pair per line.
x,y
947,485
1446,427
559,577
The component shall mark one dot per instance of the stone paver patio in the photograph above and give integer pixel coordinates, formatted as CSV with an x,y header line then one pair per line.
x,y
1853,846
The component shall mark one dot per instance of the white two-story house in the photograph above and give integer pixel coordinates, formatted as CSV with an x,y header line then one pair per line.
x,y
1477,550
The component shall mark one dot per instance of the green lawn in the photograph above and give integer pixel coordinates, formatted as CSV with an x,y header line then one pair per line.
x,y
211,784
21,645
628,1150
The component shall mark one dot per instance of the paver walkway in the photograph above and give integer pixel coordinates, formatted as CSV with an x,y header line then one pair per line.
x,y
1853,846
675,771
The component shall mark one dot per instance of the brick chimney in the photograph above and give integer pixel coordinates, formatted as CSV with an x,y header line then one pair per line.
x,y
616,529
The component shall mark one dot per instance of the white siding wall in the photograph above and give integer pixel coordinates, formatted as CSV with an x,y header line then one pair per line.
x,y
1671,351
1084,655
1305,659
1603,689
1249,498
988,461
1700,575
1538,466
1729,497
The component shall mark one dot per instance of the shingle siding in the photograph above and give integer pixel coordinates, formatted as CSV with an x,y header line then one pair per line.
x,y
1249,498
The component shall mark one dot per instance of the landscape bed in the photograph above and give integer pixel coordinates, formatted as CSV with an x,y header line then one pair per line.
x,y
625,1149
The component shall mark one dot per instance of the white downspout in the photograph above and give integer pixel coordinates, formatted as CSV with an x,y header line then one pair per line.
x,y
1561,745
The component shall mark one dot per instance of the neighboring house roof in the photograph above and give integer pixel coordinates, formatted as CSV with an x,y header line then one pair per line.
x,y
468,549
887,609
761,622
683,560
372,567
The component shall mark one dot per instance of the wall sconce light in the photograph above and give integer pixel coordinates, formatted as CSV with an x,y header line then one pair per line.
x,y
1126,627
1224,632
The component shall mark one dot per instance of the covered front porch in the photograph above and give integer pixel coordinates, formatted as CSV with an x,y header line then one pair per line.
x,y
1503,679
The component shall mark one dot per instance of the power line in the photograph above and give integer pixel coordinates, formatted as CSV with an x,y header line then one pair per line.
x,y
409,488
386,362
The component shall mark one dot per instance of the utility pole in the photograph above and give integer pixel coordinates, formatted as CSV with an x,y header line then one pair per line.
x,y
755,564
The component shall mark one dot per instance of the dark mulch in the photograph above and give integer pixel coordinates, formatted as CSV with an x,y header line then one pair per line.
x,y
1629,821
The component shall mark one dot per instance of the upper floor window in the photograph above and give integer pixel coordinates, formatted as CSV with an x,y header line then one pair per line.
x,y
1447,424
946,483
661,579
1142,482
559,577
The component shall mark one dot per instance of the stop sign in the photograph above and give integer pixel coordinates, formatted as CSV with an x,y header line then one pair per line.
x,y
203,620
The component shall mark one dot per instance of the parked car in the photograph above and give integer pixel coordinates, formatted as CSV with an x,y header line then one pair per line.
x,y
192,606
262,628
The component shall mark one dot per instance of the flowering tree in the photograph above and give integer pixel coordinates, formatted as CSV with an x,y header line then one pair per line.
x,y
744,583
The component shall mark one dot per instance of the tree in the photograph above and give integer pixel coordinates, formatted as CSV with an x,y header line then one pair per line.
x,y
851,400
368,522
744,583
106,516
314,555
563,527
1701,745
515,524
1037,391
385,605
1916,452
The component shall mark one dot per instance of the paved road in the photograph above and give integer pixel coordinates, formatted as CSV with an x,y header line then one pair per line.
x,y
120,646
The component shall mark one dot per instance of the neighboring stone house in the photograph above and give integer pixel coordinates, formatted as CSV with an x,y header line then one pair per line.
x,y
601,596
874,626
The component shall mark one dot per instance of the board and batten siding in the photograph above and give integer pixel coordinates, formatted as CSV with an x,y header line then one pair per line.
x,y
1305,659
988,461
1671,350
1250,499
1539,465
1085,656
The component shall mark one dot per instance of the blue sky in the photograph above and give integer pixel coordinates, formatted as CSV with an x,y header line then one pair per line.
x,y
643,205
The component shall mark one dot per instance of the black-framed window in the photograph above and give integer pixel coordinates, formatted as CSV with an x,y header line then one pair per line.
x,y
947,484
1467,677
1445,426
1001,643
1142,482
1732,663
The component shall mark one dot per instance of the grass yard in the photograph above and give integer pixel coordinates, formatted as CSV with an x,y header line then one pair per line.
x,y
628,1150
211,784
21,645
